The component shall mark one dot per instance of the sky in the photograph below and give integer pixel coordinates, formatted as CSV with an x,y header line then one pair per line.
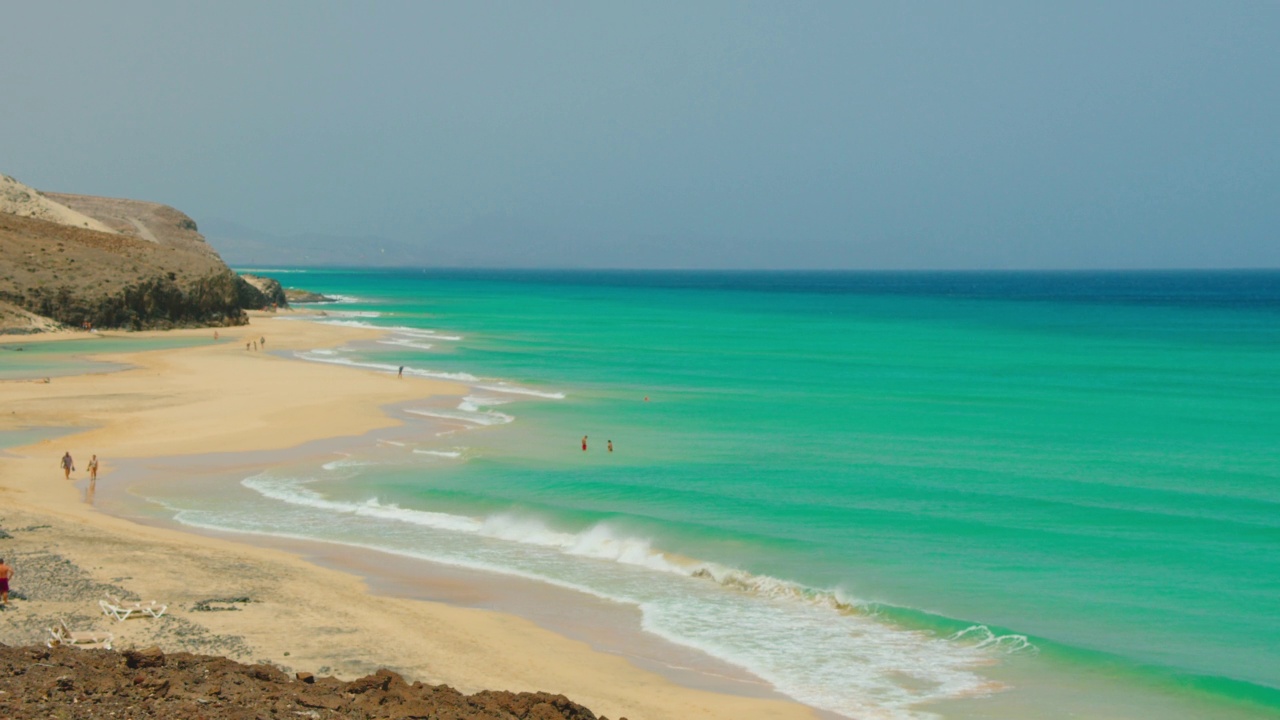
x,y
843,135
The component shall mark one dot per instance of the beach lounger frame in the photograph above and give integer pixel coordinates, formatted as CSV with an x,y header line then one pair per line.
x,y
122,609
62,634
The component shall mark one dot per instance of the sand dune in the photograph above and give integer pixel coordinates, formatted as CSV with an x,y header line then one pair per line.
x,y
18,199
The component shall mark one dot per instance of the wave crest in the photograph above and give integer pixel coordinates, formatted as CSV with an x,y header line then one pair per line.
x,y
981,637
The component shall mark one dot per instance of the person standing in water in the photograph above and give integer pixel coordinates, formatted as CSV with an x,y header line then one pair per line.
x,y
610,446
67,465
584,443
93,470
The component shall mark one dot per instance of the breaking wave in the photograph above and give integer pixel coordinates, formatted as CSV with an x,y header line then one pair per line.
x,y
820,646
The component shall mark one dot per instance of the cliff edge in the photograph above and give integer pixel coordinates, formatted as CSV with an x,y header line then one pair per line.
x,y
84,261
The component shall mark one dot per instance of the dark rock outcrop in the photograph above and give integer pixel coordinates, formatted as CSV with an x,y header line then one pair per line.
x,y
258,292
60,682
155,302
306,296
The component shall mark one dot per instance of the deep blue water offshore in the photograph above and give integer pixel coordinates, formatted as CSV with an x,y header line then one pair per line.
x,y
887,494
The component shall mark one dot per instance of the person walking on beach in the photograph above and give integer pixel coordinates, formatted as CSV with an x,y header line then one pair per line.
x,y
401,373
67,465
584,443
6,573
93,470
263,342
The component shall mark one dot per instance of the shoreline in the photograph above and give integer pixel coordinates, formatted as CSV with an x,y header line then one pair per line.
x,y
605,625
222,398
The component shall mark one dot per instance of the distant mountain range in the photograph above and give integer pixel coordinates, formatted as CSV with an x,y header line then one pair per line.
x,y
243,246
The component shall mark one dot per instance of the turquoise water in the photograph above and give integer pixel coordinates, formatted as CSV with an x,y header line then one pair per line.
x,y
22,360
27,436
971,495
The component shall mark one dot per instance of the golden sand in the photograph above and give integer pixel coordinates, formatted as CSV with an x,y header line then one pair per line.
x,y
220,397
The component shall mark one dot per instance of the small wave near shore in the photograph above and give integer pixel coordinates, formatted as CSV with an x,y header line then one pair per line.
x,y
819,646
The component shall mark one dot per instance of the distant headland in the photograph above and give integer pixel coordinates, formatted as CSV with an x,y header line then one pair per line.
x,y
88,262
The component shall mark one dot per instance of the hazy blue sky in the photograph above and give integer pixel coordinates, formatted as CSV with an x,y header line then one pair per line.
x,y
687,134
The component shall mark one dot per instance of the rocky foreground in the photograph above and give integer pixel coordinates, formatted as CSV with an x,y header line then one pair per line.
x,y
61,682
182,666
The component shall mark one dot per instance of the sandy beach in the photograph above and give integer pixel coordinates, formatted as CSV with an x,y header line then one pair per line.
x,y
221,398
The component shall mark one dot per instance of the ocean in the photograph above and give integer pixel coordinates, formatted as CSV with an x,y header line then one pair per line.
x,y
887,495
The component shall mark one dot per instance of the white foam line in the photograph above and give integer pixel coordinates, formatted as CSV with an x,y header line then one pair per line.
x,y
345,461
473,418
421,333
473,403
182,516
404,342
458,377
414,332
350,323
294,493
517,390
440,453
854,663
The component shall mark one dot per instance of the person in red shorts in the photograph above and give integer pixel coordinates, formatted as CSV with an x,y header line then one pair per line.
x,y
6,572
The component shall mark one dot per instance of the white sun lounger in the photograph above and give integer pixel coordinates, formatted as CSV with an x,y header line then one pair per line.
x,y
122,609
64,635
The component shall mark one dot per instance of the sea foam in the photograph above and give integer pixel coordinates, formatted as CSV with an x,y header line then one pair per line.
x,y
334,359
439,453
420,333
816,645
470,417
510,389
406,342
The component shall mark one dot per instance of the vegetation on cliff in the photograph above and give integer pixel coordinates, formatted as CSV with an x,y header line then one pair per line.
x,y
77,276
81,260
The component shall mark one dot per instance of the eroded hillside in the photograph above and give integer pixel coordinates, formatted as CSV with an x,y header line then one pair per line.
x,y
144,266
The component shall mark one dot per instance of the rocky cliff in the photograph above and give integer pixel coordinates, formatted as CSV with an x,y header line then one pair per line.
x,y
262,292
111,263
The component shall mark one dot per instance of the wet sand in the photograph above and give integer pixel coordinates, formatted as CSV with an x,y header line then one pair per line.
x,y
311,608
